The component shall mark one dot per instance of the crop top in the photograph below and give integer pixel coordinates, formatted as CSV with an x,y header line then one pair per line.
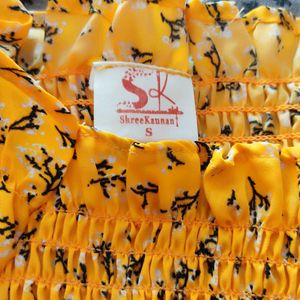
x,y
86,214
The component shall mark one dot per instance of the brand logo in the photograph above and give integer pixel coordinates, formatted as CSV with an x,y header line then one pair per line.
x,y
150,103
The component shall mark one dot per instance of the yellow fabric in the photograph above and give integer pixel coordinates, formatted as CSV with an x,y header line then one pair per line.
x,y
248,64
15,22
75,32
90,215
30,56
147,32
244,87
90,32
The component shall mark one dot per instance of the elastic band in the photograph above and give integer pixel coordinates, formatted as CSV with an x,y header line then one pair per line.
x,y
249,109
249,80
254,138
89,249
162,220
131,288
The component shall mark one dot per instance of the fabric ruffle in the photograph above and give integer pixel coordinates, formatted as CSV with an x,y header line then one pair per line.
x,y
90,215
78,30
129,38
246,89
168,219
246,72
78,27
37,140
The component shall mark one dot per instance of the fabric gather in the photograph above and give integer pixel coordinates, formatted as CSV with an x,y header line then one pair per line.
x,y
86,214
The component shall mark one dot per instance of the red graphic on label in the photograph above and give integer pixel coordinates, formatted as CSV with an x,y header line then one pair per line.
x,y
168,115
143,97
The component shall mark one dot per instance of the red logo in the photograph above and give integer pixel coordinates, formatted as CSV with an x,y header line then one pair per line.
x,y
152,106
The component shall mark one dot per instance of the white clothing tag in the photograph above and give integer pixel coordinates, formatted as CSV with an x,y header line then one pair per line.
x,y
143,102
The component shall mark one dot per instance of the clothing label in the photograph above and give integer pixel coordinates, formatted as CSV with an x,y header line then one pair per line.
x,y
143,102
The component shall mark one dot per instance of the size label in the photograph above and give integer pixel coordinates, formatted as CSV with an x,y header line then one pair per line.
x,y
143,102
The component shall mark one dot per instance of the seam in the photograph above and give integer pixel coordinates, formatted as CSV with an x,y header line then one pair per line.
x,y
255,81
109,286
89,249
252,109
165,220
254,138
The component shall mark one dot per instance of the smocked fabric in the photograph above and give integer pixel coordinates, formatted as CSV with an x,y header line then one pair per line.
x,y
86,214
78,30
246,71
88,31
245,68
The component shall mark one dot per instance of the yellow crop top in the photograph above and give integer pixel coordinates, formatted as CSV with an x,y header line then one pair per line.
x,y
89,215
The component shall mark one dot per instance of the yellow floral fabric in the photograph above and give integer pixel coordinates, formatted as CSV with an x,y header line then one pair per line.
x,y
15,22
243,88
78,30
30,55
86,214
244,70
160,37
88,31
